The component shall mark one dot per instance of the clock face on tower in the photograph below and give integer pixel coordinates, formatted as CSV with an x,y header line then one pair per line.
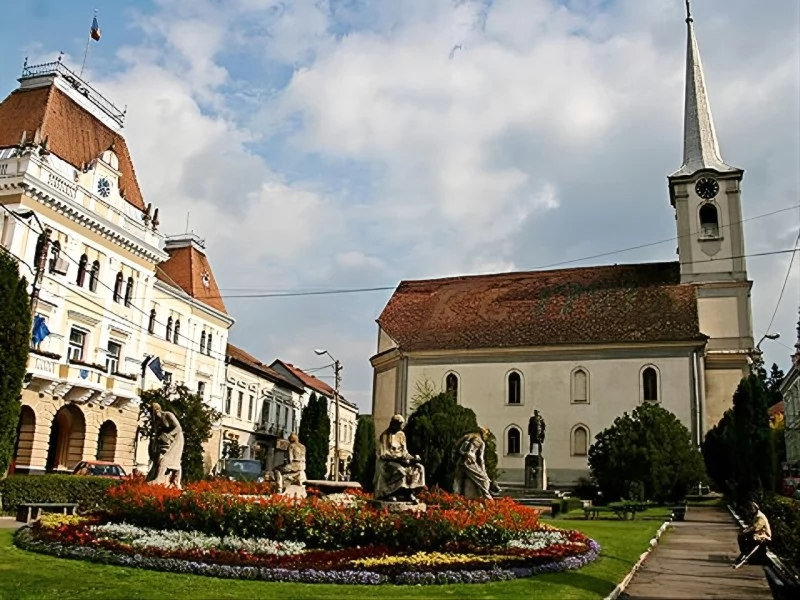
x,y
707,188
103,187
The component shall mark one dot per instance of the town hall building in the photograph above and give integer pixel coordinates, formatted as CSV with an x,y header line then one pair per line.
x,y
584,345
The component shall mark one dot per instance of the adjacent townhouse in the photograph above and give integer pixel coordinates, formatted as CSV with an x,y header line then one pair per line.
x,y
348,413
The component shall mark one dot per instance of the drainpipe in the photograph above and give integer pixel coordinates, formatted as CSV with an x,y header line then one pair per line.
x,y
696,393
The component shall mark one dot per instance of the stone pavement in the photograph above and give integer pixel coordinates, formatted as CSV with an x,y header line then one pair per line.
x,y
9,523
693,560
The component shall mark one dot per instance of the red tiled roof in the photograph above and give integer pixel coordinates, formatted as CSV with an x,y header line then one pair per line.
x,y
309,380
607,304
184,269
239,355
73,134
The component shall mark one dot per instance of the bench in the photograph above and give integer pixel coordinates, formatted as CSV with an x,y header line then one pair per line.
x,y
30,511
591,512
332,487
783,581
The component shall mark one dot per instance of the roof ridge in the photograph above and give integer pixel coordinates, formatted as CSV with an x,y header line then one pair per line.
x,y
536,272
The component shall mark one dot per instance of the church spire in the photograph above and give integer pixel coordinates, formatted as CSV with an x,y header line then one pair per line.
x,y
700,146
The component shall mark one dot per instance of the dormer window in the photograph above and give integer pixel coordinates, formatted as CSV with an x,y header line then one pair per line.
x,y
709,221
111,159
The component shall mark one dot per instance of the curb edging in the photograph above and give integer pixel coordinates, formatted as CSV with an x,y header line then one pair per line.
x,y
617,591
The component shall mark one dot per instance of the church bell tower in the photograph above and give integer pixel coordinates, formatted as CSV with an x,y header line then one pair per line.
x,y
706,195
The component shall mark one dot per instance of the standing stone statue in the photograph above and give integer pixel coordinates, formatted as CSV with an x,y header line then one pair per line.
x,y
471,479
294,471
398,474
166,448
536,431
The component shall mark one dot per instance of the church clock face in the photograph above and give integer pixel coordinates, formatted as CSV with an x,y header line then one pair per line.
x,y
707,188
103,187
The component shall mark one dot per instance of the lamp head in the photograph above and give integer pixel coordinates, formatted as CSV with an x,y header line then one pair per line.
x,y
320,352
772,336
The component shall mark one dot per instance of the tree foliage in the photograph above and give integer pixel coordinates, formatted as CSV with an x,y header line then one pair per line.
x,y
194,415
432,432
314,433
424,390
362,467
738,451
648,453
15,336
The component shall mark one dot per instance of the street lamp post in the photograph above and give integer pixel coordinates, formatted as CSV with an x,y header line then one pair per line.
x,y
337,371
758,360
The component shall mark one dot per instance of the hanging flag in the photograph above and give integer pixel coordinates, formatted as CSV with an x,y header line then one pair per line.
x,y
154,364
94,32
40,330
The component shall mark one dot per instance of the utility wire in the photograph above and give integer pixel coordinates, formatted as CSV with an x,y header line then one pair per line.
x,y
785,281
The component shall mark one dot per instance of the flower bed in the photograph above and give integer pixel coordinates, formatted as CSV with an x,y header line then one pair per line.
x,y
214,532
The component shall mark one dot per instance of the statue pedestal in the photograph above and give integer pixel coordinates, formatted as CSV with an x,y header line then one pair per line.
x,y
399,506
535,472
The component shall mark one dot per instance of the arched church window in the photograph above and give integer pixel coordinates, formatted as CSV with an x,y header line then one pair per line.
x,y
451,385
709,220
650,385
514,388
514,440
579,441
580,386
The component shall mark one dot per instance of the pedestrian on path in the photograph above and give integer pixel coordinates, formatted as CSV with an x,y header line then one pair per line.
x,y
754,538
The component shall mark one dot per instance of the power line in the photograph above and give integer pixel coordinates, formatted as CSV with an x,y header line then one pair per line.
x,y
785,281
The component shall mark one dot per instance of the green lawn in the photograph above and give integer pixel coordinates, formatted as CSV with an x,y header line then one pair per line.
x,y
28,576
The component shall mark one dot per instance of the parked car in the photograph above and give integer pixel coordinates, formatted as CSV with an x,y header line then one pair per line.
x,y
99,468
242,469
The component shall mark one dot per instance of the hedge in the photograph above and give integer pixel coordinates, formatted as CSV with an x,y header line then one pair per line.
x,y
784,519
89,492
564,505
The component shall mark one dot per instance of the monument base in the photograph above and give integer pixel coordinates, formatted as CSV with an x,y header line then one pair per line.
x,y
535,472
399,506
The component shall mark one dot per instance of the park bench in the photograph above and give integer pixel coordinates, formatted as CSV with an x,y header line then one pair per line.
x,y
30,511
783,581
591,512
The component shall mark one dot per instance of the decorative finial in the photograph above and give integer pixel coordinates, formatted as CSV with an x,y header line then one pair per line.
x,y
688,12
60,55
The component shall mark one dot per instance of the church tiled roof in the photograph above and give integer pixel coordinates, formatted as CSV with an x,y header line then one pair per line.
x,y
607,304
73,134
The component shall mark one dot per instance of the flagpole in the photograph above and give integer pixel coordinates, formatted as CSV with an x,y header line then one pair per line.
x,y
86,51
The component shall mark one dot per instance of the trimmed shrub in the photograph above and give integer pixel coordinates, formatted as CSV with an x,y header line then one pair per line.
x,y
88,492
784,519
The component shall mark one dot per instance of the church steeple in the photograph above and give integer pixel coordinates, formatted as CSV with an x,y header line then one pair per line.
x,y
700,145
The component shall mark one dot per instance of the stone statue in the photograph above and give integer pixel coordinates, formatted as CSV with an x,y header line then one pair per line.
x,y
471,480
166,448
398,474
536,431
294,471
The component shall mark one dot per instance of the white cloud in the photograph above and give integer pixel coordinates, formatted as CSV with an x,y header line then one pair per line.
x,y
546,137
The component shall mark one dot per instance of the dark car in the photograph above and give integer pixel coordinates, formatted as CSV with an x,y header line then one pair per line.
x,y
242,469
99,468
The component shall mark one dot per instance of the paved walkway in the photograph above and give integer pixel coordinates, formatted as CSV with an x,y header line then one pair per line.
x,y
9,523
693,560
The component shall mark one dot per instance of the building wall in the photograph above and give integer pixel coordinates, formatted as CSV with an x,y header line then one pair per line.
x,y
614,386
791,408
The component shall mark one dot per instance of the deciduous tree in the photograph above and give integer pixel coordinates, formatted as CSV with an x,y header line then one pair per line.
x,y
648,450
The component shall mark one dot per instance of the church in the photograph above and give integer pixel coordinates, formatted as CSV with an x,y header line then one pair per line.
x,y
584,345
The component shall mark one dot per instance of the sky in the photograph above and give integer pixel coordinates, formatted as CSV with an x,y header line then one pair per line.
x,y
346,144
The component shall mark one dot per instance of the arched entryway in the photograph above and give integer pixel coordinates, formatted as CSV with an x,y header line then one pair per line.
x,y
26,429
67,436
107,442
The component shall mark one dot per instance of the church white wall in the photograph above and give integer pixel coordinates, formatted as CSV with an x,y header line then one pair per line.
x,y
719,317
614,387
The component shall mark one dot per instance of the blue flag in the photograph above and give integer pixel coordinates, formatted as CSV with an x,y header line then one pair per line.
x,y
94,32
154,364
40,330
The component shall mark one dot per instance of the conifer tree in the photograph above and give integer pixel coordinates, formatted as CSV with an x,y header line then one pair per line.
x,y
314,434
362,467
15,336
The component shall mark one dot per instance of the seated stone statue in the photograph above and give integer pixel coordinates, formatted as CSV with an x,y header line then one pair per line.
x,y
471,479
398,474
294,471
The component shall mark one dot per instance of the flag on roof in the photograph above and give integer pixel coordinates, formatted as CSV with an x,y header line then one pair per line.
x,y
94,32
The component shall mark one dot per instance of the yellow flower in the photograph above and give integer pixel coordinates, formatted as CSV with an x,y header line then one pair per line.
x,y
432,559
54,521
